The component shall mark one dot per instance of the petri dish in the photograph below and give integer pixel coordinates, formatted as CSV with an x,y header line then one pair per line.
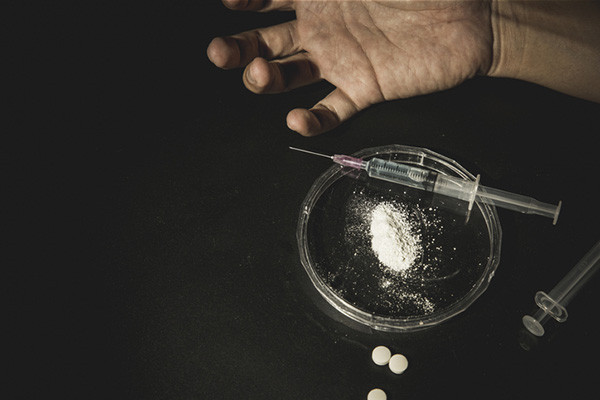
x,y
437,260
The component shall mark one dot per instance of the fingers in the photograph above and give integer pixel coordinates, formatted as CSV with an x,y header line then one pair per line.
x,y
258,5
238,50
262,76
294,69
327,114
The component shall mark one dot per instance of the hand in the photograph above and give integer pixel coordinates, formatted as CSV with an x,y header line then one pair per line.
x,y
371,51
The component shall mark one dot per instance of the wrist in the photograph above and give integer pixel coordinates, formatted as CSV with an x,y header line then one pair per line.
x,y
507,42
552,43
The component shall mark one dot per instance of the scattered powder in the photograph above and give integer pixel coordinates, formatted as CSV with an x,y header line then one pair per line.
x,y
392,234
393,239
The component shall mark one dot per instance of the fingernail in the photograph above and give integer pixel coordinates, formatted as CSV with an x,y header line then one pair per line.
x,y
236,4
250,77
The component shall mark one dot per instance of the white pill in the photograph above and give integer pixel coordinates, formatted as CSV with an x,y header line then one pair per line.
x,y
381,355
398,363
376,394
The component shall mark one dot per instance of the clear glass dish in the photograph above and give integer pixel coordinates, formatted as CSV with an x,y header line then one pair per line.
x,y
453,254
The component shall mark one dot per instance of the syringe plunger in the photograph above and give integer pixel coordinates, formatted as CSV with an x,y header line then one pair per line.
x,y
554,304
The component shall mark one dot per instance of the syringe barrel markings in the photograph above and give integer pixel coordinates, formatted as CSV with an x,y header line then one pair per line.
x,y
401,173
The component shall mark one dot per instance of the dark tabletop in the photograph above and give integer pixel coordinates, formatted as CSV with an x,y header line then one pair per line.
x,y
150,216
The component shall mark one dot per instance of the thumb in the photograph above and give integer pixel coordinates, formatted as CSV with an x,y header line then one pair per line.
x,y
327,114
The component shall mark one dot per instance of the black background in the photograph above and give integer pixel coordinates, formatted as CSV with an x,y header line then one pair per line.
x,y
150,208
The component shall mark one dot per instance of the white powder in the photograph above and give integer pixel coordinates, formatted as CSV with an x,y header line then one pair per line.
x,y
396,242
393,239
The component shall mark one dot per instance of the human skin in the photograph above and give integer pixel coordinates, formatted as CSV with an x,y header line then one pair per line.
x,y
374,51
552,43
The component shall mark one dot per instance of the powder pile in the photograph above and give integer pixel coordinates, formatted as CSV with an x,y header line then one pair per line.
x,y
393,240
394,243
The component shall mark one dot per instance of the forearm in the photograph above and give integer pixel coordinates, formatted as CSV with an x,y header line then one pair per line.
x,y
552,43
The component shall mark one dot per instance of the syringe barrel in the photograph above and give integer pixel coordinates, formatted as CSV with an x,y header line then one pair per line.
x,y
457,188
554,304
568,287
403,174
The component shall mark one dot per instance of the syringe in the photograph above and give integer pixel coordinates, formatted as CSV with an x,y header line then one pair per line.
x,y
554,304
455,187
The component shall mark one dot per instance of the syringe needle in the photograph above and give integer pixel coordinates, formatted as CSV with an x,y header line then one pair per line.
x,y
311,152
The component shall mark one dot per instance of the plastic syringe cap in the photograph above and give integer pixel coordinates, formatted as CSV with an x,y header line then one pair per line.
x,y
348,161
